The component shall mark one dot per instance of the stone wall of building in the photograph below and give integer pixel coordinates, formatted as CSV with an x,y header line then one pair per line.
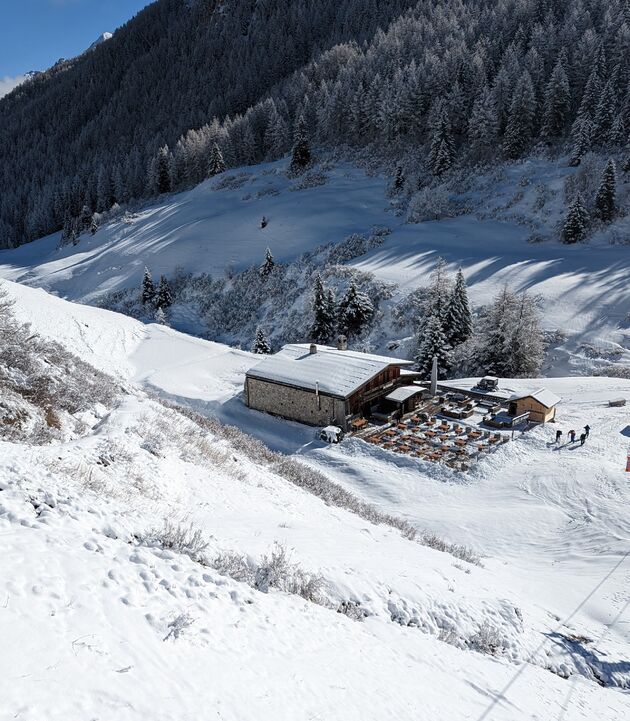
x,y
294,403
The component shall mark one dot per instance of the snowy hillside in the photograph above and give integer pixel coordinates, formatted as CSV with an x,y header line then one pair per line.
x,y
143,556
487,228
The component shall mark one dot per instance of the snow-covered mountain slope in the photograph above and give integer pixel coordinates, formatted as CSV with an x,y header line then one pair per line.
x,y
216,226
104,617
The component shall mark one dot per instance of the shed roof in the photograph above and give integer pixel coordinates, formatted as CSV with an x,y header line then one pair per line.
x,y
543,396
403,393
335,372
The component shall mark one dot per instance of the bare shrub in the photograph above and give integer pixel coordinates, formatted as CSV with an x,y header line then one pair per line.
x,y
464,553
41,383
488,640
178,625
353,610
274,570
178,537
236,566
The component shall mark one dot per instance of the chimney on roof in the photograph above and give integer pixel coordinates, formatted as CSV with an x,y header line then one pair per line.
x,y
342,343
313,349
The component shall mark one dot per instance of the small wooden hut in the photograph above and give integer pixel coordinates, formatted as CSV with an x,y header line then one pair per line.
x,y
541,406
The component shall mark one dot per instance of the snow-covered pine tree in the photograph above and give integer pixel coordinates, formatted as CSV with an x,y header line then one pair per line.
x,y
93,225
520,125
442,150
617,133
160,316
432,343
148,289
163,296
162,171
323,327
557,101
217,163
261,344
483,124
355,310
576,222
606,111
582,135
457,322
268,265
301,153
605,200
494,335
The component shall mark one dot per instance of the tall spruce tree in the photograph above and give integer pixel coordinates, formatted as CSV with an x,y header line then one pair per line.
x,y
268,265
355,311
520,126
495,333
606,198
432,342
576,222
582,137
217,163
458,325
148,289
483,124
301,153
323,327
557,102
163,296
442,150
261,344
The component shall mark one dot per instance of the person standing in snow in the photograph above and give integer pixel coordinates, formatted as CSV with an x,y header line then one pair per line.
x,y
582,439
587,430
558,436
572,436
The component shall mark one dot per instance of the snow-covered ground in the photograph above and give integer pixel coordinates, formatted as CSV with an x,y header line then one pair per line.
x,y
101,623
584,287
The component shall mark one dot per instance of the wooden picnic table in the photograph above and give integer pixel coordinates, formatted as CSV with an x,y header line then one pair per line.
x,y
359,423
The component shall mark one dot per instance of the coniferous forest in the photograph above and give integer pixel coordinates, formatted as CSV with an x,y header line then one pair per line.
x,y
188,88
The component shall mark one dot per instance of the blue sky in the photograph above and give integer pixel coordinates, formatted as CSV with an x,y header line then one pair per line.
x,y
34,34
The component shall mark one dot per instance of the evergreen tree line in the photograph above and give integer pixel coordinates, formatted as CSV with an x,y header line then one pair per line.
x,y
144,112
454,82
505,340
156,299
578,217
349,317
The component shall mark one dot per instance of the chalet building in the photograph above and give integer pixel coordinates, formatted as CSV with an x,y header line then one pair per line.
x,y
319,385
540,405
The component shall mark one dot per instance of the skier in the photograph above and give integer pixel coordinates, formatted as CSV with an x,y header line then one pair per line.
x,y
582,439
572,436
558,436
263,222
587,430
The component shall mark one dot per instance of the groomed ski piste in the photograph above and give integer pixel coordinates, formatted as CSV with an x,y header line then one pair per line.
x,y
107,615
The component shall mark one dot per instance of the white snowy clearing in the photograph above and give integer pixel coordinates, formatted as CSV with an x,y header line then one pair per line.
x,y
105,617
583,287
